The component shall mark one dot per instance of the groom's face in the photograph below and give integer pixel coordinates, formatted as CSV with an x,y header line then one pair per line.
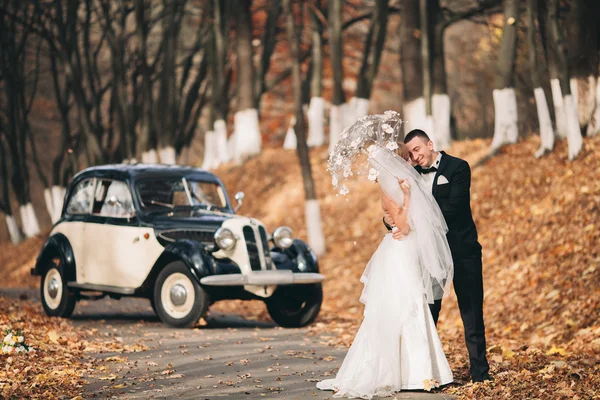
x,y
421,151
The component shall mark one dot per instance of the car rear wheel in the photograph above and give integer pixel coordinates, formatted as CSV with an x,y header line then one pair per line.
x,y
295,306
57,300
179,300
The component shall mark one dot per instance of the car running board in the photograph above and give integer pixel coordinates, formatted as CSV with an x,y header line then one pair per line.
x,y
101,288
263,278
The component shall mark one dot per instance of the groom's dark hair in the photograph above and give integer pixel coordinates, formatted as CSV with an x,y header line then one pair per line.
x,y
416,133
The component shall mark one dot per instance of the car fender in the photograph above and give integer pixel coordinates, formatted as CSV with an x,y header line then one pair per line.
x,y
192,253
291,257
56,245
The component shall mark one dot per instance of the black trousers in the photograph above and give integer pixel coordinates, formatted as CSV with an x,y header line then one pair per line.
x,y
468,285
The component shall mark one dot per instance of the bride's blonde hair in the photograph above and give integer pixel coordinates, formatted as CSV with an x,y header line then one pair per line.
x,y
402,151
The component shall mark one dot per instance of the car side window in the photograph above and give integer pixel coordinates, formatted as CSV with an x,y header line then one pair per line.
x,y
81,199
113,199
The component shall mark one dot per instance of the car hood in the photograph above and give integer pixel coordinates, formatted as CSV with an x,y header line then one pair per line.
x,y
189,220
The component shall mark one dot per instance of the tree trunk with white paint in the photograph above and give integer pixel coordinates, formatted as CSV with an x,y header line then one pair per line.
x,y
361,107
290,142
583,90
167,155
546,130
506,129
373,48
222,151
337,110
247,139
413,102
593,128
210,151
13,229
505,118
49,203
574,138
58,199
583,35
29,220
316,239
336,124
440,101
559,109
316,106
545,122
314,228
414,115
150,157
316,122
247,136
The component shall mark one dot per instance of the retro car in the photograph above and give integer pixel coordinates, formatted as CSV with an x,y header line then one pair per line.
x,y
170,234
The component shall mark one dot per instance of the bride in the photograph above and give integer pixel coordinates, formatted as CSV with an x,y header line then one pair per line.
x,y
397,346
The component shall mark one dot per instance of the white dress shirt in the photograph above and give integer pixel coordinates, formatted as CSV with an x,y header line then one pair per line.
x,y
430,177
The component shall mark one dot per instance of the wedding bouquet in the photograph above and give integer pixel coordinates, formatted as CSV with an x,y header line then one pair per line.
x,y
358,142
14,342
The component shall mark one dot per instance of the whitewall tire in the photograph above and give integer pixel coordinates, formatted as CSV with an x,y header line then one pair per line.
x,y
178,299
56,298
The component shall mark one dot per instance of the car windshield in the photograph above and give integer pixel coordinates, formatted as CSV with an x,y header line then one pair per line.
x,y
164,194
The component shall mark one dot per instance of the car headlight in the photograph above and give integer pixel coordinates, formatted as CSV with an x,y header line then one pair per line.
x,y
283,237
225,239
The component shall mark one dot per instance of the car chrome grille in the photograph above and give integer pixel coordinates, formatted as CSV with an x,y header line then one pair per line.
x,y
200,236
265,247
252,248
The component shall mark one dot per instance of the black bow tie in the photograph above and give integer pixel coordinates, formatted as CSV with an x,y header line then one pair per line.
x,y
422,170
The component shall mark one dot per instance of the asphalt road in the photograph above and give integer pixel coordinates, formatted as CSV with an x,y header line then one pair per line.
x,y
228,358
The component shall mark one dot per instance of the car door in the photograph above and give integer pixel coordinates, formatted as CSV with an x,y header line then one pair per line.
x,y
119,252
73,224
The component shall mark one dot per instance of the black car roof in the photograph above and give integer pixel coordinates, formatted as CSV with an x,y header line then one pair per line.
x,y
145,171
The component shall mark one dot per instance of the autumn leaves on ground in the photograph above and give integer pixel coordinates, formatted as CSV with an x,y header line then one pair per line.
x,y
538,224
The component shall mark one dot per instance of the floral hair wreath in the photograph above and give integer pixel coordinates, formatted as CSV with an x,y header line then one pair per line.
x,y
351,153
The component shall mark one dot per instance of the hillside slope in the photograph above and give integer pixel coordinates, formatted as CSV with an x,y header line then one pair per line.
x,y
538,224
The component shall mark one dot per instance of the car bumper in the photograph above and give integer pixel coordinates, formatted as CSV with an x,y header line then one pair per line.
x,y
263,278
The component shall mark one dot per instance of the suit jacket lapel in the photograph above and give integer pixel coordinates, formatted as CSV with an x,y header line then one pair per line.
x,y
443,163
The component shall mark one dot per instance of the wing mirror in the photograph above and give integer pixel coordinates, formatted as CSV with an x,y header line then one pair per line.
x,y
239,197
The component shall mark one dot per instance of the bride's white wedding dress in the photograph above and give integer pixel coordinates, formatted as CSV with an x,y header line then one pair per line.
x,y
397,346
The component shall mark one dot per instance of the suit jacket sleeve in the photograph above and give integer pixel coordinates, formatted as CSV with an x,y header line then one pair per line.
x,y
389,228
459,197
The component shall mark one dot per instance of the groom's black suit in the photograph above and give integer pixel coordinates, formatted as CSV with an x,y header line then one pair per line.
x,y
454,200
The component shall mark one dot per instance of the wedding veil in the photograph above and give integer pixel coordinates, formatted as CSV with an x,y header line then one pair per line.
x,y
368,148
425,219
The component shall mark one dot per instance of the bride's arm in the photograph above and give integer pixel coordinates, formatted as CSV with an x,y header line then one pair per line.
x,y
399,214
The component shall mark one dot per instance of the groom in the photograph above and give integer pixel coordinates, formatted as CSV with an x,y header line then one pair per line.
x,y
450,180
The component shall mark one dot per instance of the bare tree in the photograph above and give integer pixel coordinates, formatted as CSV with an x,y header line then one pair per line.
x,y
372,51
246,136
559,48
316,106
413,101
440,101
545,122
216,149
16,20
505,100
313,214
5,207
337,117
583,41
146,127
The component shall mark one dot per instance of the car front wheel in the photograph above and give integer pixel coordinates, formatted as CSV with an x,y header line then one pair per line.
x,y
57,300
178,299
295,306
